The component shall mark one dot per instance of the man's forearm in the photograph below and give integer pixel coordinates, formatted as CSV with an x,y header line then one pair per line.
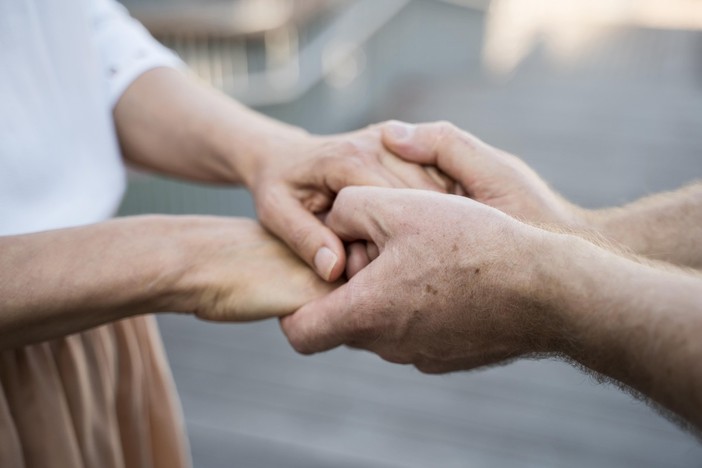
x,y
635,323
666,226
170,123
59,282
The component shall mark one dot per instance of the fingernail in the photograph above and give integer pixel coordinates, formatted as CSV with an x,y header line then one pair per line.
x,y
399,130
324,261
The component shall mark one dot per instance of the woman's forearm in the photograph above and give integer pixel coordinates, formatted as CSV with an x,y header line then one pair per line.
x,y
225,269
58,282
169,122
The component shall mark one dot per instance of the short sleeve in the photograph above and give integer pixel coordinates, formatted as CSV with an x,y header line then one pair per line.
x,y
125,47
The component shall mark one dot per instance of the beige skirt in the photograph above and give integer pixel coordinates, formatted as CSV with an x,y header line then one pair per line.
x,y
103,398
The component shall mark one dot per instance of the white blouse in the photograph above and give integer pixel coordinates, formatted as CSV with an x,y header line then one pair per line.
x,y
104,397
63,67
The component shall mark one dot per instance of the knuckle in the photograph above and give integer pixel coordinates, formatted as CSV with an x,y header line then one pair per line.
x,y
445,129
444,126
448,133
362,149
350,149
345,195
389,122
443,134
341,166
374,127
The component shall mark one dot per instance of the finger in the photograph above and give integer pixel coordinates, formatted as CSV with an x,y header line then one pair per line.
x,y
322,324
306,235
336,173
411,175
416,143
372,251
455,152
356,258
364,213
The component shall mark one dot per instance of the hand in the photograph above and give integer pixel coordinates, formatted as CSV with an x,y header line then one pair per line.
x,y
233,270
483,173
291,188
454,285
169,123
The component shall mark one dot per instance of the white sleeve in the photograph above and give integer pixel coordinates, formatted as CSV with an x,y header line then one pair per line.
x,y
125,47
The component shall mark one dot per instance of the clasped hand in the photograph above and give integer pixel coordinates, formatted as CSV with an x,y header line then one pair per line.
x,y
455,282
451,285
499,268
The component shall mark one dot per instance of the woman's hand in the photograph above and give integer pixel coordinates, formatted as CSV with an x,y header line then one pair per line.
x,y
233,270
170,123
59,282
297,183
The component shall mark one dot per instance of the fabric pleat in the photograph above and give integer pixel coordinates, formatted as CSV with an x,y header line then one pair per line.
x,y
104,397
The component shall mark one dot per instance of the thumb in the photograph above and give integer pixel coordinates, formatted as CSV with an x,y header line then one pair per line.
x,y
401,138
322,324
455,152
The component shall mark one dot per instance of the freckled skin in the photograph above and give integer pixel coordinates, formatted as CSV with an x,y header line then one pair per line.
x,y
430,336
511,290
645,337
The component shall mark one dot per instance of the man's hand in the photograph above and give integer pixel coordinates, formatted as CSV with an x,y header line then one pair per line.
x,y
448,290
457,285
482,172
665,226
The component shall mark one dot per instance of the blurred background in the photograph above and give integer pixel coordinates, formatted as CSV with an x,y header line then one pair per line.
x,y
602,97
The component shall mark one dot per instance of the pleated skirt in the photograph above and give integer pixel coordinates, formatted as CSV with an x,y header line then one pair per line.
x,y
101,398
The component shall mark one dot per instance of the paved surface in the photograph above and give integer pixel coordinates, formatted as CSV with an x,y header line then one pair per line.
x,y
626,120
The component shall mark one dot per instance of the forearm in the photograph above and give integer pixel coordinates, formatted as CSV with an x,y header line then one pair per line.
x,y
632,322
170,123
666,226
59,282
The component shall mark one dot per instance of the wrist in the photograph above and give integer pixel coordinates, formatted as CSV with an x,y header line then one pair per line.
x,y
244,142
164,259
528,283
543,289
584,286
